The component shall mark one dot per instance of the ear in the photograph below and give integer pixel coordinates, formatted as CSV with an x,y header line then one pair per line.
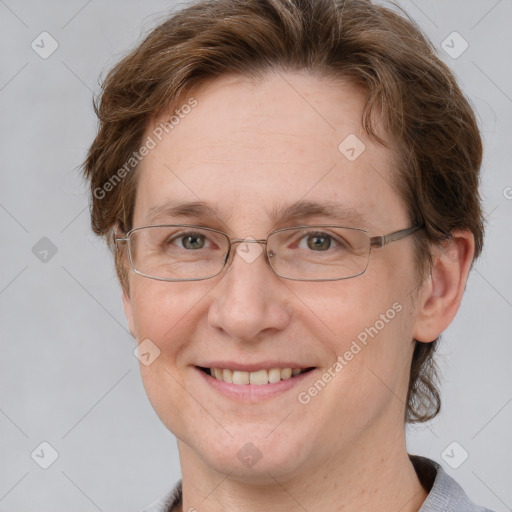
x,y
128,311
442,290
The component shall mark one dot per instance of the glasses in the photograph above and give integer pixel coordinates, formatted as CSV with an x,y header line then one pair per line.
x,y
182,252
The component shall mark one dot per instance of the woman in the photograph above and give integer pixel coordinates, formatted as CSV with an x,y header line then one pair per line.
x,y
290,189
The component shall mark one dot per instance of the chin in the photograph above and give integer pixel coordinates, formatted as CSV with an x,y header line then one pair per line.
x,y
259,468
253,456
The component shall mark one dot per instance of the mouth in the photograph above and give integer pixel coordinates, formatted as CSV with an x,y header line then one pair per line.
x,y
260,377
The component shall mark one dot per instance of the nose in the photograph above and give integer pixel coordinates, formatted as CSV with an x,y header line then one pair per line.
x,y
250,299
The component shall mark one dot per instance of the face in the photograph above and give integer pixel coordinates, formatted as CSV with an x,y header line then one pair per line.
x,y
248,150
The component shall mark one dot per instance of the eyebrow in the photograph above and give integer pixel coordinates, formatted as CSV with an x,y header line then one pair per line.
x,y
295,211
334,211
186,209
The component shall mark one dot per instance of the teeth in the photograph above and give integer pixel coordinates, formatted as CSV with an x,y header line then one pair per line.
x,y
227,375
286,373
274,375
258,377
239,377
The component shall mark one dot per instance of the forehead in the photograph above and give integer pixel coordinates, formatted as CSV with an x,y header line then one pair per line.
x,y
250,148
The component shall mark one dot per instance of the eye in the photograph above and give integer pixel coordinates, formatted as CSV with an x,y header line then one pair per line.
x,y
190,241
317,241
320,242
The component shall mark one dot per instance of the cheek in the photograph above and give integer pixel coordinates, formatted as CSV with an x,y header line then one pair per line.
x,y
343,311
368,377
368,337
366,333
166,314
163,311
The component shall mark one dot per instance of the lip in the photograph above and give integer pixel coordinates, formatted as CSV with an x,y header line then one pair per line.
x,y
253,367
253,392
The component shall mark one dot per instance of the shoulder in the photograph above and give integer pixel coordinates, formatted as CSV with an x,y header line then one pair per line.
x,y
445,493
168,502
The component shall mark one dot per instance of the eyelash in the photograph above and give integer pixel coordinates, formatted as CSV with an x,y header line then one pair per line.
x,y
183,235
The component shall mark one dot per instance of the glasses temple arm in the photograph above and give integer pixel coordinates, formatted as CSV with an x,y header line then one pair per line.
x,y
380,241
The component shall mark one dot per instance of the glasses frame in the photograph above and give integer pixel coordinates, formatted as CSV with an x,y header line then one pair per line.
x,y
376,242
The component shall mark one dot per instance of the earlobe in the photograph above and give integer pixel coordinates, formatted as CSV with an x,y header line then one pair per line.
x,y
128,311
442,290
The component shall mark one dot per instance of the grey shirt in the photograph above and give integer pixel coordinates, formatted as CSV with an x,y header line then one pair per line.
x,y
445,494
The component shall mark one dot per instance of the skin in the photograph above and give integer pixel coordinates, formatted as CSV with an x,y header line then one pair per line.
x,y
246,148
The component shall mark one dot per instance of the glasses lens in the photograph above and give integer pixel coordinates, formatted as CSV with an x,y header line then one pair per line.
x,y
178,252
319,252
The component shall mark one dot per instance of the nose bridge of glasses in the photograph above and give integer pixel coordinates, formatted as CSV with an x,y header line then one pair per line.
x,y
234,241
248,241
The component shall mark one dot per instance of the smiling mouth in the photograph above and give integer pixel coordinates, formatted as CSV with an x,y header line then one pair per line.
x,y
259,377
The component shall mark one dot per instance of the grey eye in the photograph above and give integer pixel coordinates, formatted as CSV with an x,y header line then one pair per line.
x,y
192,241
319,242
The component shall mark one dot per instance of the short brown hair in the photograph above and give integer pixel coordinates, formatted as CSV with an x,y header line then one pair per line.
x,y
418,101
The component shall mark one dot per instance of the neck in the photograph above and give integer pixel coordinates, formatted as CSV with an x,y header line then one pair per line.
x,y
365,477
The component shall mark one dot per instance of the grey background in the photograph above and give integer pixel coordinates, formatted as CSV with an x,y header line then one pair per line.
x,y
68,375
